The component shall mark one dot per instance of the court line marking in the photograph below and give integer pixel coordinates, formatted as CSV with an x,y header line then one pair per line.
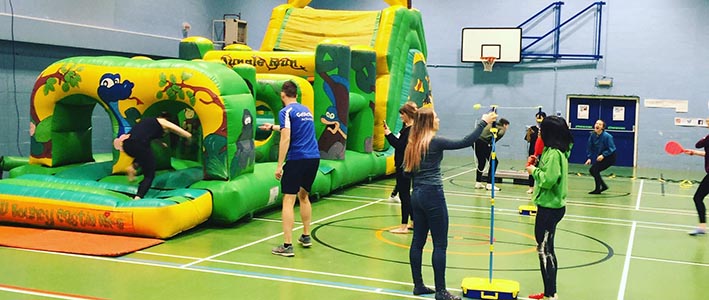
x,y
514,212
672,261
640,194
238,273
278,234
36,292
626,265
193,269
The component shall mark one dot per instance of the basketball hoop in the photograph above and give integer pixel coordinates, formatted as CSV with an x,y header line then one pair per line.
x,y
488,61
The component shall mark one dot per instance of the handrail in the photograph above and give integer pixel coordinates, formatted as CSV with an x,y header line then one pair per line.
x,y
557,32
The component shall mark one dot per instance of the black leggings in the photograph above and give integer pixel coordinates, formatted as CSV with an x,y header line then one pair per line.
x,y
702,191
403,186
544,231
144,158
599,167
482,152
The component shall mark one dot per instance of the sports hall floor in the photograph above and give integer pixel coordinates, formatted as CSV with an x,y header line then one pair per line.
x,y
629,243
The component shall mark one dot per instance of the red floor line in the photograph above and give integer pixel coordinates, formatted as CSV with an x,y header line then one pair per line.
x,y
48,293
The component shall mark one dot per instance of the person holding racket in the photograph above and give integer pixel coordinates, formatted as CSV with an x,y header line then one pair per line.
x,y
703,189
600,154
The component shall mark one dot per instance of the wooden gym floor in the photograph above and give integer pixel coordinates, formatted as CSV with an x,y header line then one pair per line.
x,y
629,243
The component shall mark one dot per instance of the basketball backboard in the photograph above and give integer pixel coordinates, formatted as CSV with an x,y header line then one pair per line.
x,y
504,44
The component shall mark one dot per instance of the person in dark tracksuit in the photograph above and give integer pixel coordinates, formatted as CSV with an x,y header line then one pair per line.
x,y
403,182
600,154
137,145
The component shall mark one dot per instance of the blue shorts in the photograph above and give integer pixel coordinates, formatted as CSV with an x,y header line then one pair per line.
x,y
299,174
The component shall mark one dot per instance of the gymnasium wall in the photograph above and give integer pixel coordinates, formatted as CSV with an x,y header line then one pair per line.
x,y
653,49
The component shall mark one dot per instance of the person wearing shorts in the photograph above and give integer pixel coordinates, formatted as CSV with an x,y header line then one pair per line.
x,y
298,162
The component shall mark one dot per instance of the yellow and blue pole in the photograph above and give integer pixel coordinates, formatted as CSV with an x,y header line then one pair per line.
x,y
493,156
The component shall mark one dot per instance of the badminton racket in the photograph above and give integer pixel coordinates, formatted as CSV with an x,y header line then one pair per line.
x,y
673,148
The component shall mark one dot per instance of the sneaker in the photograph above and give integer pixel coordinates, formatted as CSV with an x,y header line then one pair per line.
x,y
395,199
537,296
489,187
423,290
530,190
399,231
445,295
479,185
595,192
283,251
305,241
698,232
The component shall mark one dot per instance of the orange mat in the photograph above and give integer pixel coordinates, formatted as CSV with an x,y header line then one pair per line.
x,y
72,242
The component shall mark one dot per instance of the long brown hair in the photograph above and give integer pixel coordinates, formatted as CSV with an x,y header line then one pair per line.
x,y
420,137
409,109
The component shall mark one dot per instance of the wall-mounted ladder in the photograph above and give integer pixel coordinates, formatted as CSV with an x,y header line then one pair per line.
x,y
555,34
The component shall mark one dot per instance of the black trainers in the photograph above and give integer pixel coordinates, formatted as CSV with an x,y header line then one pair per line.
x,y
283,251
445,295
305,241
422,290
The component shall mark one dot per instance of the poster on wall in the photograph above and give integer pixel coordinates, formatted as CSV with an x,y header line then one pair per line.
x,y
582,113
619,113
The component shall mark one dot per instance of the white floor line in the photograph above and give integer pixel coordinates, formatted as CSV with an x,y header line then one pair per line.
x,y
626,265
276,235
640,194
41,294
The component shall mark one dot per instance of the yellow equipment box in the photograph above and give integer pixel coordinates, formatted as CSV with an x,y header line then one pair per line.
x,y
482,288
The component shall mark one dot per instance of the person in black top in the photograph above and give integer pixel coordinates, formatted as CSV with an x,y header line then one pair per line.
x,y
422,160
531,138
403,183
137,145
702,189
483,150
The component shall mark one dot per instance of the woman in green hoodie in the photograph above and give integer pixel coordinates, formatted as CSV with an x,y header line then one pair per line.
x,y
551,178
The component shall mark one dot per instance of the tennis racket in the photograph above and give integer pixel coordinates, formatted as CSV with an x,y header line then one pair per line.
x,y
673,148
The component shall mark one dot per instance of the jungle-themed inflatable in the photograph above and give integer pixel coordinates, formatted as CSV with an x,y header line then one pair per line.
x,y
352,77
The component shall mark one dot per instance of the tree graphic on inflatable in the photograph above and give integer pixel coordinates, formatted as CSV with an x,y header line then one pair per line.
x,y
215,144
67,77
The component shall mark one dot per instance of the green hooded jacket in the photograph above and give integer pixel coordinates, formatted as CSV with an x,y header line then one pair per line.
x,y
551,178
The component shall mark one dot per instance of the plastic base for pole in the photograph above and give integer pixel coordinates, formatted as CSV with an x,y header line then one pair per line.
x,y
483,288
528,210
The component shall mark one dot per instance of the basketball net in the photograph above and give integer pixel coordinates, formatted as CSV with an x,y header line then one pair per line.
x,y
488,62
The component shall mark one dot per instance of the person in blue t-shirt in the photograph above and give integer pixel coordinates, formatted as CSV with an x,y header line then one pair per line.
x,y
600,154
298,162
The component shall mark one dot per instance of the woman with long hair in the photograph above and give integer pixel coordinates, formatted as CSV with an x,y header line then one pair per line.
x,y
403,182
422,160
551,177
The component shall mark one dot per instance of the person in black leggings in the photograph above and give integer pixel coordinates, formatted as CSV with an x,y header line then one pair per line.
x,y
137,145
403,182
703,189
550,192
423,161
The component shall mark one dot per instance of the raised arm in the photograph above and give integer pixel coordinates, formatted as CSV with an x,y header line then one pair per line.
x,y
174,128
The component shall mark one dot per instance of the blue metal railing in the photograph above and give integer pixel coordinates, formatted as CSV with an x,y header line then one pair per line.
x,y
556,32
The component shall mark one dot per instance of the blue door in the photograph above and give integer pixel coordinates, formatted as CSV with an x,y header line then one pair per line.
x,y
619,113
